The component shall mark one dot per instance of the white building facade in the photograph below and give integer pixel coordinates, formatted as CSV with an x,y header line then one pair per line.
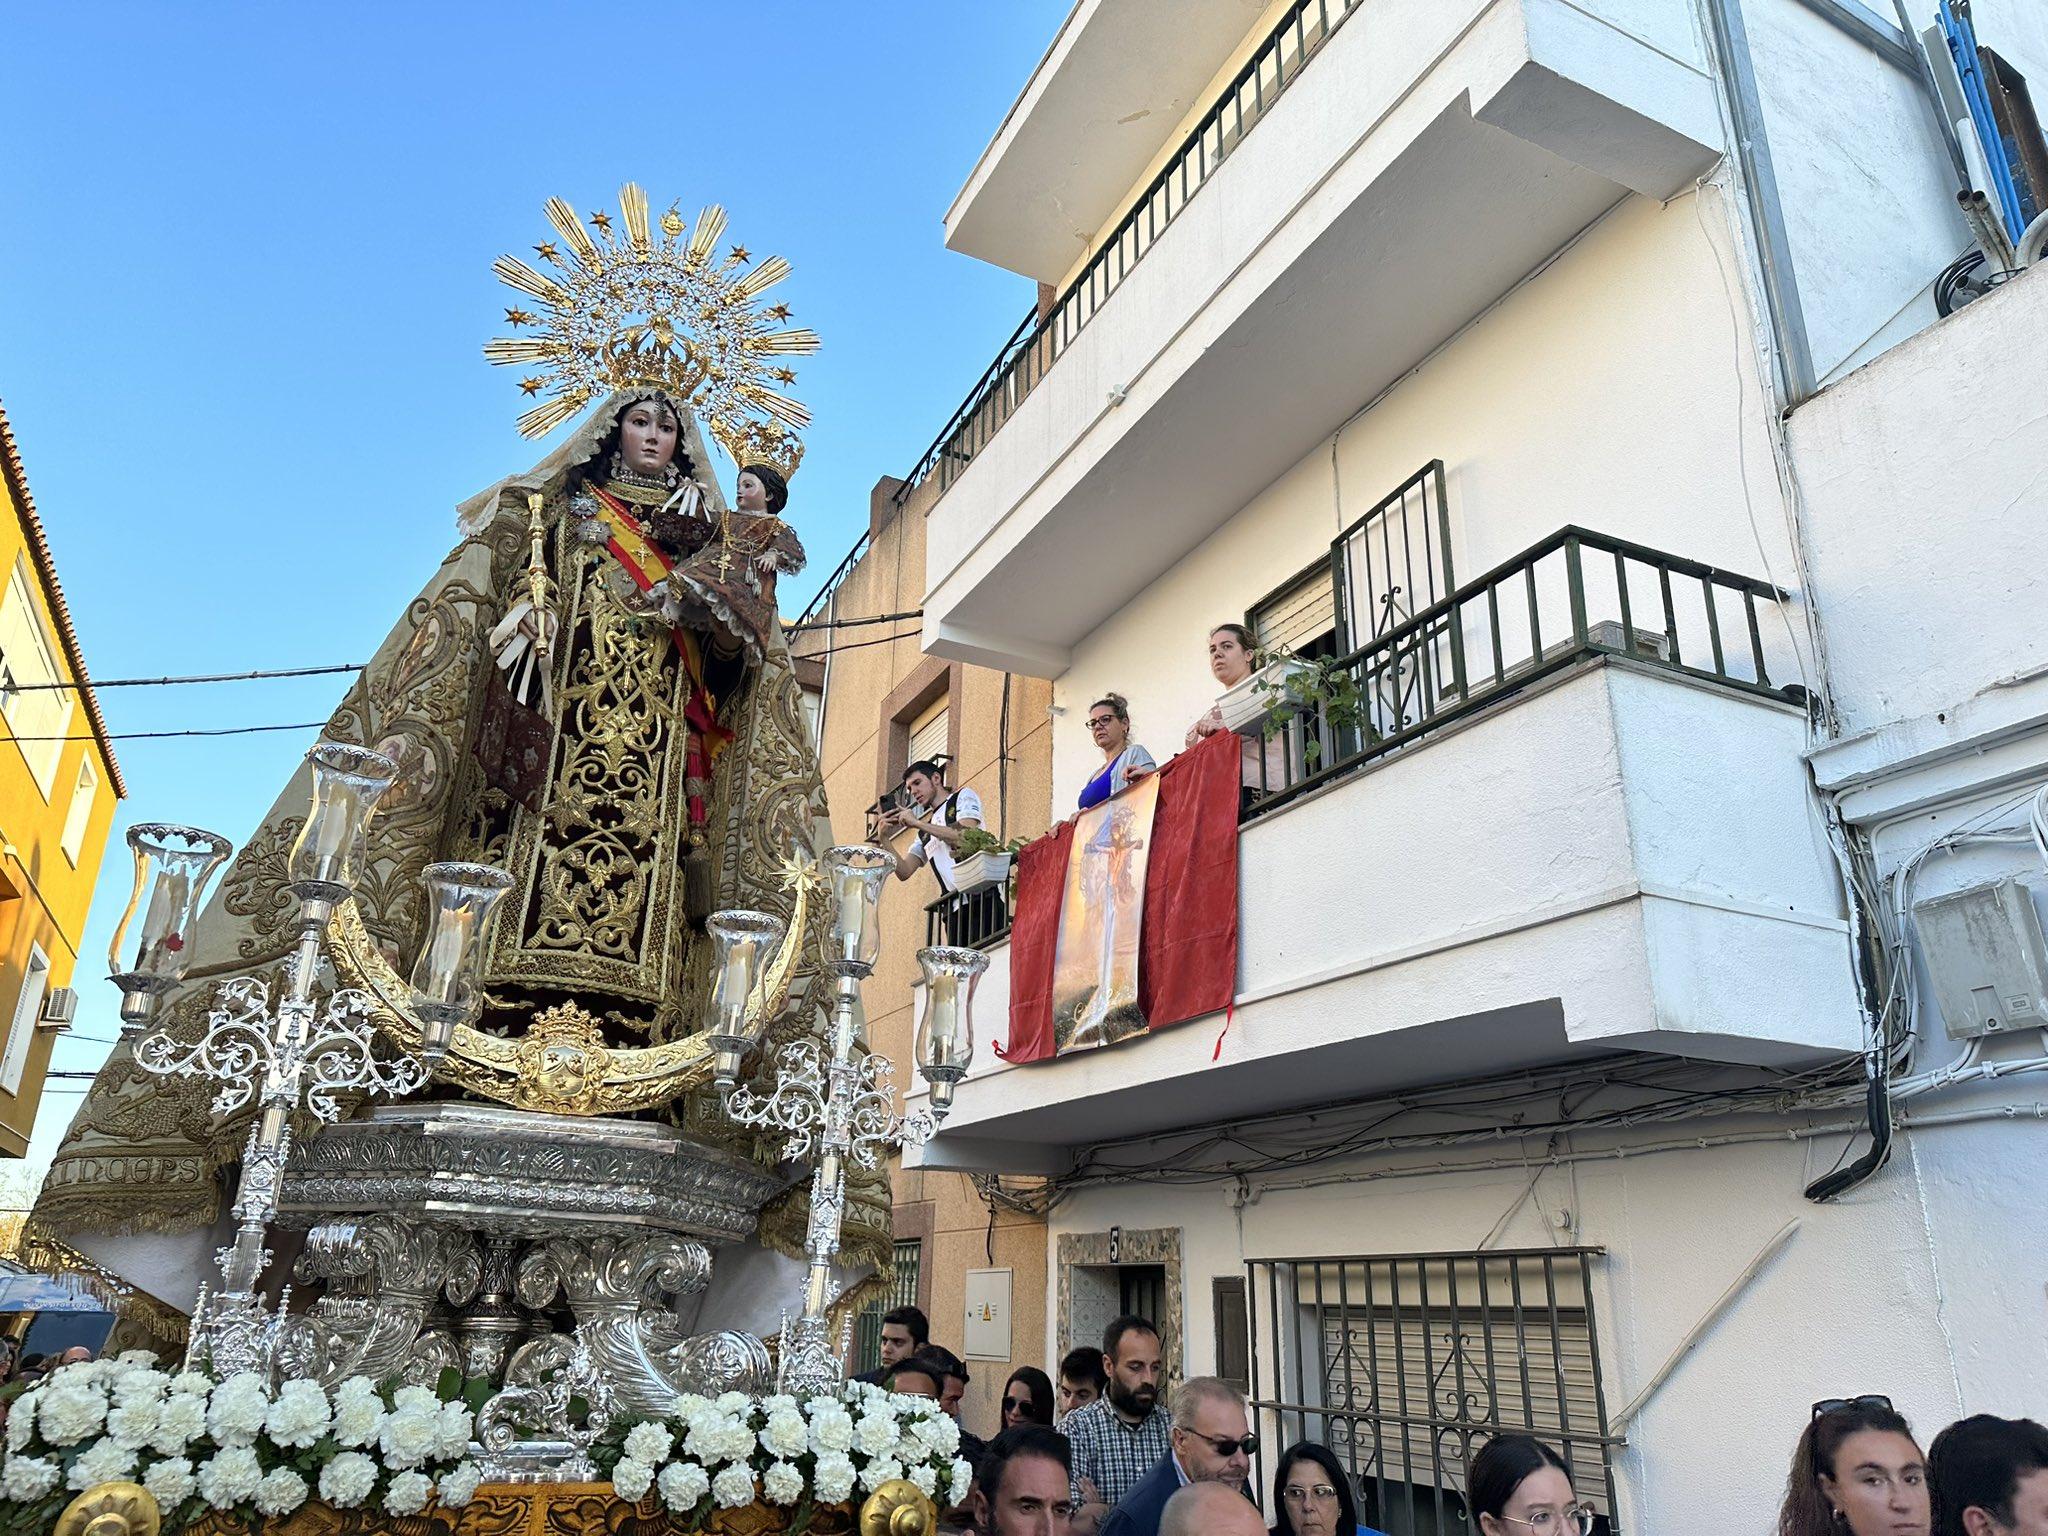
x,y
1595,1067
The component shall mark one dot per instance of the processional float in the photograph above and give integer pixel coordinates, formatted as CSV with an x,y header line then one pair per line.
x,y
494,1206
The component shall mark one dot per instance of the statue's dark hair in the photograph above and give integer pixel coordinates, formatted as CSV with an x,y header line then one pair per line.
x,y
772,482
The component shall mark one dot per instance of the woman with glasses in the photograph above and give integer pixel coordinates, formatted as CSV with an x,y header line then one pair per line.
x,y
1027,1398
1518,1486
1312,1495
1124,762
1857,1471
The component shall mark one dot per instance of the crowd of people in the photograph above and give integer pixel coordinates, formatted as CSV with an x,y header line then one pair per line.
x,y
1104,1452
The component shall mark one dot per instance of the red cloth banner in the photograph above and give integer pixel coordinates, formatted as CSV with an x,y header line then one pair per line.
x,y
1188,944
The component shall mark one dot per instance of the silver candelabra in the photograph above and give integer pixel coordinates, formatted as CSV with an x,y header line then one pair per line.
x,y
837,1106
294,1053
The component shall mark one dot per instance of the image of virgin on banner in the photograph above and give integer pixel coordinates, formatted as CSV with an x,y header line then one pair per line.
x,y
1095,967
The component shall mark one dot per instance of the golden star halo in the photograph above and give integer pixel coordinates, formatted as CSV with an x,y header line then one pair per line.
x,y
625,304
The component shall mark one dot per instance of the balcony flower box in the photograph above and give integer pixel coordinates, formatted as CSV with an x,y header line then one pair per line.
x,y
1245,706
978,871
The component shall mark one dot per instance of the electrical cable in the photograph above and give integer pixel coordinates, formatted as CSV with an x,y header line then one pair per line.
x,y
98,684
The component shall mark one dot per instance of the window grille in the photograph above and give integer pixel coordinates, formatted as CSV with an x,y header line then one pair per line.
x,y
1405,1365
904,1276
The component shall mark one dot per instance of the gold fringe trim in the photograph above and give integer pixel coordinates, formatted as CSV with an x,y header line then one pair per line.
x,y
27,1241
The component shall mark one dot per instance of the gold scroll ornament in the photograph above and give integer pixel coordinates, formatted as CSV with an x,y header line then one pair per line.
x,y
562,1065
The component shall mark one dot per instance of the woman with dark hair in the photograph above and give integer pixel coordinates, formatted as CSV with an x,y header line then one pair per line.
x,y
1312,1494
1027,1398
1233,654
1518,1486
1124,762
1857,1471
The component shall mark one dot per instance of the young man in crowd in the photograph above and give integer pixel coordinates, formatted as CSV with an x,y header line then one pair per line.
x,y
1021,1487
1081,1380
1121,1436
1990,1477
938,817
904,1332
1212,1443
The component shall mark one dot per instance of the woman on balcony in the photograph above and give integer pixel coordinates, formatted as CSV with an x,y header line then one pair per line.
x,y
1124,762
1232,653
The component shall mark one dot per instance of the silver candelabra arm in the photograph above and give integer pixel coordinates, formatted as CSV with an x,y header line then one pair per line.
x,y
798,1105
236,1051
342,1058
873,1127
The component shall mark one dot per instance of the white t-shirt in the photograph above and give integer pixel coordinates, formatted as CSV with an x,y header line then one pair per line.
x,y
965,806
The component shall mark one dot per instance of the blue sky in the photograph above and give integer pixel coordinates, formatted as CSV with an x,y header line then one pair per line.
x,y
247,281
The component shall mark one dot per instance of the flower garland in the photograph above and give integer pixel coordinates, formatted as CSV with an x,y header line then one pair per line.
x,y
735,1450
235,1446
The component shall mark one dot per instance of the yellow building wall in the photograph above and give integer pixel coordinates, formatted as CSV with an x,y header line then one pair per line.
x,y
44,893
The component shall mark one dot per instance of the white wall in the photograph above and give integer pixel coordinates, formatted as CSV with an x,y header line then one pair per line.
x,y
1924,478
1848,1306
1603,392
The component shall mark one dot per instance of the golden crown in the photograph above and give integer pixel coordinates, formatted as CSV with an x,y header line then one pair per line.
x,y
628,308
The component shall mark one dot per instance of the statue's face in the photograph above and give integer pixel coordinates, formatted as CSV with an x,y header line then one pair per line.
x,y
647,437
753,495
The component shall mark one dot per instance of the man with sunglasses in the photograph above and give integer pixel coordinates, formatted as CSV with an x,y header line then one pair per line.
x,y
1211,1442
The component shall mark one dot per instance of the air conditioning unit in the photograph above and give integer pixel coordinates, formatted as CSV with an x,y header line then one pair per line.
x,y
60,1008
1983,950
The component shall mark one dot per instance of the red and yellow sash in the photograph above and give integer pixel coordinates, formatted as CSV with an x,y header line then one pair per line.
x,y
643,560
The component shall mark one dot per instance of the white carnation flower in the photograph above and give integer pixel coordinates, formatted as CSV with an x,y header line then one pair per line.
x,y
875,1434
141,1387
240,1405
454,1425
230,1477
347,1480
733,1402
170,1482
939,1434
281,1491
831,1430
683,1485
137,1359
961,1480
733,1487
710,1432
21,1421
28,1478
105,1462
908,1449
649,1442
356,1387
180,1421
458,1485
926,1477
357,1419
408,1438
135,1424
688,1405
832,1480
785,1435
883,1469
67,1414
197,1383
782,1483
415,1400
777,1402
631,1479
300,1415
408,1493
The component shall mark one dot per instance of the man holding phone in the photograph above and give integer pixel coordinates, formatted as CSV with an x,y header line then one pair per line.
x,y
938,818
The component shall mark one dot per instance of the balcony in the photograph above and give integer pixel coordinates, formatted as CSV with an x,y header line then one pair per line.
x,y
1566,815
1380,172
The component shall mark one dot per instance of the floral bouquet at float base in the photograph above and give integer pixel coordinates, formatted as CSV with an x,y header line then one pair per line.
x,y
735,1450
199,1445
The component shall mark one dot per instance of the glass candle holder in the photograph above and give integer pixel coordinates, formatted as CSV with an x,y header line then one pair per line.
x,y
854,874
172,867
326,860
743,942
460,901
945,1036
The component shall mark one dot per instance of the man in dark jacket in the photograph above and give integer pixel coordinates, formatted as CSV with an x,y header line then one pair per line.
x,y
1211,1442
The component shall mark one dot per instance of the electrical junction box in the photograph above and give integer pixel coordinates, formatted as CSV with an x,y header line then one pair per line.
x,y
1983,951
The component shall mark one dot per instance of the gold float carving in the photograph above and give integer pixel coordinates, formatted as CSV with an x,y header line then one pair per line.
x,y
562,1064
898,1508
574,1509
110,1509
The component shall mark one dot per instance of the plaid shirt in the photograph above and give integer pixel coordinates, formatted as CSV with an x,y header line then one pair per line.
x,y
1111,1454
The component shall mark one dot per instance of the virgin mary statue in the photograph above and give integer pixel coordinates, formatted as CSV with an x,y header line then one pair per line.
x,y
593,694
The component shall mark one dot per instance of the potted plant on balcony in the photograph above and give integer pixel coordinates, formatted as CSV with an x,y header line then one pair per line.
x,y
1314,691
1247,706
981,860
